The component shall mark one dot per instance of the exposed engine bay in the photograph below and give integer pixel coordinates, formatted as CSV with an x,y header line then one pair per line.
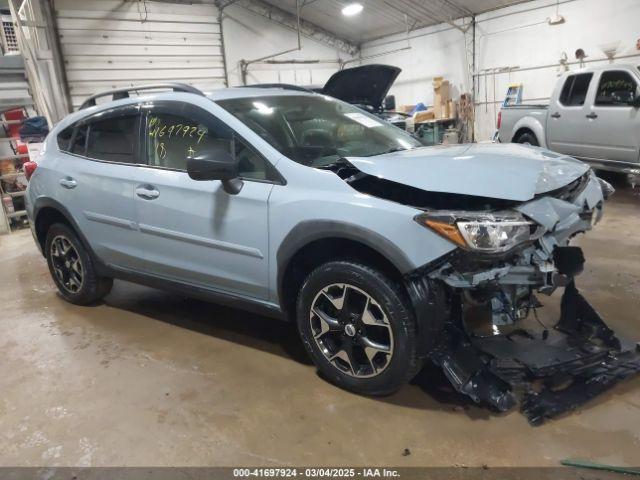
x,y
473,306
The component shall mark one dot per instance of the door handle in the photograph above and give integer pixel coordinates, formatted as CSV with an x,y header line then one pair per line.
x,y
148,192
68,182
555,115
592,116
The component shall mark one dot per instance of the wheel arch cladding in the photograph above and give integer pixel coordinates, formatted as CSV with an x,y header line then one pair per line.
x,y
46,212
312,243
44,218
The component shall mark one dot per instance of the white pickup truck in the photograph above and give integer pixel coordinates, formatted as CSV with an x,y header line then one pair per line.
x,y
593,115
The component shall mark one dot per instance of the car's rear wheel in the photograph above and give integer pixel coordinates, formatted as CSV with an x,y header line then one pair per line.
x,y
527,138
71,267
358,328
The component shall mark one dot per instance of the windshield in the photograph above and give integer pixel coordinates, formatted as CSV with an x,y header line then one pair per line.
x,y
316,130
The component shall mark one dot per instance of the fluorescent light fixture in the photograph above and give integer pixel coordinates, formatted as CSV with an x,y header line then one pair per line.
x,y
352,9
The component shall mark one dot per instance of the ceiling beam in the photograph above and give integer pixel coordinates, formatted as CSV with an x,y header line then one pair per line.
x,y
289,20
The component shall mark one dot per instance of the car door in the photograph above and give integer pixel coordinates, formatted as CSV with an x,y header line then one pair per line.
x,y
193,231
613,127
99,154
566,119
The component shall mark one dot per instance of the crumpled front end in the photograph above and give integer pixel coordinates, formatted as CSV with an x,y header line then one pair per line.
x,y
486,348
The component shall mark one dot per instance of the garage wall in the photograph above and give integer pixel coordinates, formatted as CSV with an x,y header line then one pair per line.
x,y
517,36
423,55
248,36
111,43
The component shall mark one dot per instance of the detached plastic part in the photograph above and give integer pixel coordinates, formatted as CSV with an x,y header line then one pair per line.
x,y
548,374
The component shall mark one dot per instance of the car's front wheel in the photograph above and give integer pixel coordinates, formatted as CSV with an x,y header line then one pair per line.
x,y
358,328
72,268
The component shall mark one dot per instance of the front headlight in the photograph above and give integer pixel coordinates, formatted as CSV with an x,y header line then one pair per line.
x,y
484,232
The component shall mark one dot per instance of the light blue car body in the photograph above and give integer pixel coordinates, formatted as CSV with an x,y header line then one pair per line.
x,y
196,234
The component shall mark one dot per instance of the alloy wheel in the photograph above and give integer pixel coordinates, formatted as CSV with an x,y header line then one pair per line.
x,y
67,265
351,330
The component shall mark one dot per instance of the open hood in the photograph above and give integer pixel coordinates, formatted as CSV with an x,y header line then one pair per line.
x,y
365,85
507,172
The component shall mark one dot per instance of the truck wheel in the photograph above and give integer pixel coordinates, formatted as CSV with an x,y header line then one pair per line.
x,y
71,267
358,328
527,138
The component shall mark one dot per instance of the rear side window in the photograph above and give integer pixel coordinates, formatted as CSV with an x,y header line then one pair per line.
x,y
113,139
616,88
79,141
64,137
574,90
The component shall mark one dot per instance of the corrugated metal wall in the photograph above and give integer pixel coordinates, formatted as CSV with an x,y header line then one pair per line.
x,y
110,43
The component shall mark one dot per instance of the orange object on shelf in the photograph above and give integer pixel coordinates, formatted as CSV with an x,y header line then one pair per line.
x,y
17,114
22,149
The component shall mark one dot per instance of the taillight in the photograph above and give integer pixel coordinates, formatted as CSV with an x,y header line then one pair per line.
x,y
499,119
29,168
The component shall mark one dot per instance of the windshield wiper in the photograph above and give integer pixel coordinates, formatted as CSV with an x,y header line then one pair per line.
x,y
391,150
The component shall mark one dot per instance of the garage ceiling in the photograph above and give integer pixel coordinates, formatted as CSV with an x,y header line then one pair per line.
x,y
385,17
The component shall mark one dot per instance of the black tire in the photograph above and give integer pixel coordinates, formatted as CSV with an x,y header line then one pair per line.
x,y
405,360
91,288
528,138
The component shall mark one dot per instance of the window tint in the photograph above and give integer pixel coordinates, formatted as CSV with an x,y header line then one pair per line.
x,y
64,137
574,91
113,139
616,88
251,165
79,140
173,138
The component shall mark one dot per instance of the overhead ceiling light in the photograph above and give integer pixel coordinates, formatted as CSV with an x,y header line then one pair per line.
x,y
352,9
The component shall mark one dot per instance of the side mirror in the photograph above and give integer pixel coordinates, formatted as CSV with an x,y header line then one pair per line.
x,y
216,165
635,102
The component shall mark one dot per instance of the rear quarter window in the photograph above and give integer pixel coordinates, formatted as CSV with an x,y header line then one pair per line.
x,y
64,137
73,139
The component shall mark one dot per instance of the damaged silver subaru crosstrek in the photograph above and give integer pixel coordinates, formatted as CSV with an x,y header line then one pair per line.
x,y
386,253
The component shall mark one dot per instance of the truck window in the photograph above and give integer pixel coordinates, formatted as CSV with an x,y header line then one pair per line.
x,y
574,90
616,88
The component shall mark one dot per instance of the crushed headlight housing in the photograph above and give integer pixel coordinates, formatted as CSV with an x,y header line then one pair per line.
x,y
494,232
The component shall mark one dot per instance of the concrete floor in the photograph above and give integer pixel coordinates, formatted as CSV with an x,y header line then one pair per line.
x,y
148,378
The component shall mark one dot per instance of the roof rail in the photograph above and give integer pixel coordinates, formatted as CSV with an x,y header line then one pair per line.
x,y
120,93
284,86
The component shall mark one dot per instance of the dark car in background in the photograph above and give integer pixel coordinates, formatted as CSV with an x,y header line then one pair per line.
x,y
365,86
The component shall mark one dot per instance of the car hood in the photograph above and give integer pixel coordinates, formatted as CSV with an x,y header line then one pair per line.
x,y
365,85
507,172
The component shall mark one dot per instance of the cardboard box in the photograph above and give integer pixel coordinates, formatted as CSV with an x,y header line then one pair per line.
x,y
424,115
441,97
452,109
441,110
441,91
405,108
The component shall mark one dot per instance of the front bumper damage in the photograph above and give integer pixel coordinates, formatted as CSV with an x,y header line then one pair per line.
x,y
475,308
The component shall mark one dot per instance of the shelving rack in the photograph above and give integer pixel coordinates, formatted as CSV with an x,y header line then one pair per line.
x,y
16,105
17,159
